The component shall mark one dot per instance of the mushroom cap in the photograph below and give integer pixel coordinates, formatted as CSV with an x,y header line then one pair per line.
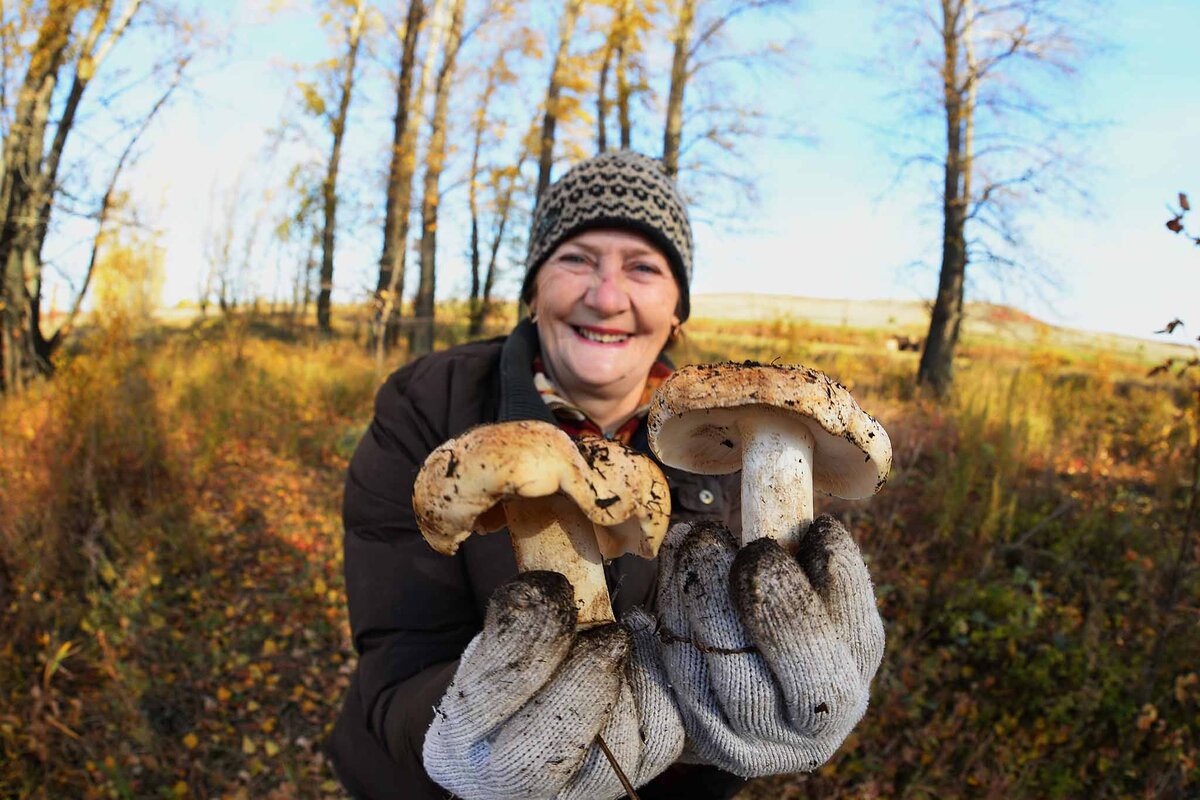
x,y
693,423
463,484
631,515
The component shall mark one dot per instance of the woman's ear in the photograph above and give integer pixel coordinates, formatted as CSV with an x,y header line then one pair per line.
x,y
676,331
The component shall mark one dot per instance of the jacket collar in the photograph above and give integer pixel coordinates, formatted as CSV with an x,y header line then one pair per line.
x,y
519,398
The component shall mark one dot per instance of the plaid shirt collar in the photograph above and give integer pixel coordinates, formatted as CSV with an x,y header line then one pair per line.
x,y
577,423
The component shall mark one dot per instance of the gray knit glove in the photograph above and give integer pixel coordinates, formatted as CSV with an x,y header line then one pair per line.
x,y
521,716
770,657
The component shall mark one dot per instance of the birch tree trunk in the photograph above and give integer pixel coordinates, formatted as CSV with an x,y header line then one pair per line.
x,y
682,41
503,212
566,30
421,337
602,97
20,198
624,44
390,287
475,301
329,186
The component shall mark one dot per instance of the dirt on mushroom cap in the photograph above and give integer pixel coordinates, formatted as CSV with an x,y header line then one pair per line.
x,y
635,518
709,389
462,484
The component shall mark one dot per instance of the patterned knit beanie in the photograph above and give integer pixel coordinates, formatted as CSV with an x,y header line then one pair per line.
x,y
616,189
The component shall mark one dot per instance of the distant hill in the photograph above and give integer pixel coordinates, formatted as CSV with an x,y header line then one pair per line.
x,y
912,317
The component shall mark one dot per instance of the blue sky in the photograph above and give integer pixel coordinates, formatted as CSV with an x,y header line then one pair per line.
x,y
832,222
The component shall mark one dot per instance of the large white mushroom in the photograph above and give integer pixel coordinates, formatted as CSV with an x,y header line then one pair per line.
x,y
789,429
568,505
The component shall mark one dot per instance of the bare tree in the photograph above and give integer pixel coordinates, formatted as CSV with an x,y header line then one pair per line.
x,y
220,236
566,31
20,194
297,232
681,40
622,43
56,41
631,21
353,32
505,182
421,334
107,203
1003,141
602,101
492,189
497,73
390,286
712,111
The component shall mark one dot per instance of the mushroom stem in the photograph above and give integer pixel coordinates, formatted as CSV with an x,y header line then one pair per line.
x,y
551,533
777,493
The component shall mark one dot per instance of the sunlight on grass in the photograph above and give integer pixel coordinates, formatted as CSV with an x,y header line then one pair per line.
x,y
170,565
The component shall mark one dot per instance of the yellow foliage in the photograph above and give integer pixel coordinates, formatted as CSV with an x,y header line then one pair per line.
x,y
314,103
128,280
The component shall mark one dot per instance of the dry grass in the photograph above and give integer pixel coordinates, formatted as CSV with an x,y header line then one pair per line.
x,y
170,576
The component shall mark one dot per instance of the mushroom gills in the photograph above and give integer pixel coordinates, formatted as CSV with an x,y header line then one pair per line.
x,y
789,429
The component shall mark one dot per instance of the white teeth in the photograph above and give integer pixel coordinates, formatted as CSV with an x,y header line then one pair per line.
x,y
603,338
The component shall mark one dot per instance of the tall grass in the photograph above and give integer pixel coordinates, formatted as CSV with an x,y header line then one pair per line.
x,y
123,482
170,567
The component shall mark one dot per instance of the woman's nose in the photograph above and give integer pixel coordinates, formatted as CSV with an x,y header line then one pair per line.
x,y
608,294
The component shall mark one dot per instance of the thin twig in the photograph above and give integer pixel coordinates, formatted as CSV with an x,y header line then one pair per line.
x,y
1063,508
625,784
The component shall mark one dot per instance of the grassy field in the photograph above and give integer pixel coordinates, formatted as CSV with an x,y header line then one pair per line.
x,y
172,600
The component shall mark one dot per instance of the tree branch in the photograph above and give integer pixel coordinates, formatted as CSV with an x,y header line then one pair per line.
x,y
106,203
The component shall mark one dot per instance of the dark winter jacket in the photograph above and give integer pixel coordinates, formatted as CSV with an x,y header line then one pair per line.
x,y
413,610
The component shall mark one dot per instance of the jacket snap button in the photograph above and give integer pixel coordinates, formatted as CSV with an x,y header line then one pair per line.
x,y
706,497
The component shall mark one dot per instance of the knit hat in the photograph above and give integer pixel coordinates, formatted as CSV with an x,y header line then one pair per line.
x,y
616,189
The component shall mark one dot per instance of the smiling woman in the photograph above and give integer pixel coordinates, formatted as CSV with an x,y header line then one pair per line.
x,y
536,708
605,303
607,275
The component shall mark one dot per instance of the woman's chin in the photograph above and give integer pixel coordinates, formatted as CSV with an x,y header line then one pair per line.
x,y
603,369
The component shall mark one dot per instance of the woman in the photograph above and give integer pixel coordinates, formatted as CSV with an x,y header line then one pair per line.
x,y
608,272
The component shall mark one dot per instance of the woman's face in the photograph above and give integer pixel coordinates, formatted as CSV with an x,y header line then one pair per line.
x,y
605,303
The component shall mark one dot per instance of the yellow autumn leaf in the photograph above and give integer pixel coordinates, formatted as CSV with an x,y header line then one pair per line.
x,y
190,741
271,748
248,747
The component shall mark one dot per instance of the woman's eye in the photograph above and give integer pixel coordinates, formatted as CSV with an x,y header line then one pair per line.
x,y
651,269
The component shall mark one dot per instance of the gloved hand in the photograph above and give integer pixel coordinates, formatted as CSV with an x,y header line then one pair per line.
x,y
771,657
521,716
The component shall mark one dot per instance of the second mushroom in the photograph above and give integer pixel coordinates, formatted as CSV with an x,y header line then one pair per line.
x,y
789,429
568,505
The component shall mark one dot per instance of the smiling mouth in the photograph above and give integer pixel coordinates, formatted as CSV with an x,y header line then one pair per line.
x,y
601,338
